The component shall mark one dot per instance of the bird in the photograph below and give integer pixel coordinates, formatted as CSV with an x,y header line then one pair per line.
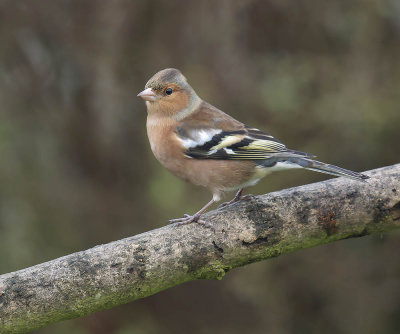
x,y
201,144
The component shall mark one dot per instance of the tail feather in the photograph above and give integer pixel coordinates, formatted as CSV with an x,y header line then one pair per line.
x,y
328,169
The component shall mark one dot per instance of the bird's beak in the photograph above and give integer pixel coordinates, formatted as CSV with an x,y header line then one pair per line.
x,y
148,95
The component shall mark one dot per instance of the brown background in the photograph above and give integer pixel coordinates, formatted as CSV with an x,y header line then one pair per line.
x,y
76,169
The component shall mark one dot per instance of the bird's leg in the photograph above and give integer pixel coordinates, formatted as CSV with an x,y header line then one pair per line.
x,y
187,219
238,197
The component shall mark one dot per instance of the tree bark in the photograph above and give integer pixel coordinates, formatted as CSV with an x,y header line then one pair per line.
x,y
260,228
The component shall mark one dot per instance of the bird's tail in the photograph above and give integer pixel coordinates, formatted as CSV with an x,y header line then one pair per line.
x,y
327,168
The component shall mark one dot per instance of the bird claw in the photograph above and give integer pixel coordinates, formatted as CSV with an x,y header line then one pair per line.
x,y
248,197
187,219
234,200
222,205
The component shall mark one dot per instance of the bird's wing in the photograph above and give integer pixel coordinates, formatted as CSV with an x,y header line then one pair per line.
x,y
242,144
209,133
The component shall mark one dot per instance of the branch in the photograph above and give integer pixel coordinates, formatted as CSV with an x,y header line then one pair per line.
x,y
266,226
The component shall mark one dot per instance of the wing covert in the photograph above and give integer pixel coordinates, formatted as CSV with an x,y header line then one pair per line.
x,y
244,144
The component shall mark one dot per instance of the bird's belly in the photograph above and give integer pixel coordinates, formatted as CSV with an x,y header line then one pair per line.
x,y
258,174
218,175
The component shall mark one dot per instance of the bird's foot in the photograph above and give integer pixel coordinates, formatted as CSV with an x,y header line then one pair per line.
x,y
187,219
222,205
248,197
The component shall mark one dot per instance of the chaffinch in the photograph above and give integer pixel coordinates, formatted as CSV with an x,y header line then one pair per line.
x,y
201,144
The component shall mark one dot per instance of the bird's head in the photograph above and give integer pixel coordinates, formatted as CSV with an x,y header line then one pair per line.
x,y
168,92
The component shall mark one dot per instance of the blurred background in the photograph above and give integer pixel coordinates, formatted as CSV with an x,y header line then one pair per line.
x,y
76,168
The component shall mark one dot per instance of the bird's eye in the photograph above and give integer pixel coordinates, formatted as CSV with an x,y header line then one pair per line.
x,y
168,91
